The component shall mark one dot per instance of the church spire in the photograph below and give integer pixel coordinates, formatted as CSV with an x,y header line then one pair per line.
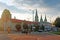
x,y
45,20
41,20
36,16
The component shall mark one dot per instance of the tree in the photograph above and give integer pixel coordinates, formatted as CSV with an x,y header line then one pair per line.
x,y
42,27
25,27
36,27
57,22
18,27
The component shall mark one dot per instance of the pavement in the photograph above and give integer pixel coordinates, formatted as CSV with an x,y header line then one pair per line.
x,y
34,37
17,36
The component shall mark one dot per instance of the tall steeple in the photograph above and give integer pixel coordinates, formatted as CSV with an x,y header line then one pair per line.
x,y
36,16
45,20
41,20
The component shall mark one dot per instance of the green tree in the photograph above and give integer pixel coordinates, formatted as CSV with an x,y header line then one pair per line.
x,y
36,27
25,27
42,27
57,22
18,27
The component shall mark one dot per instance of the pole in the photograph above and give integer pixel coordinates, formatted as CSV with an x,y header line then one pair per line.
x,y
33,15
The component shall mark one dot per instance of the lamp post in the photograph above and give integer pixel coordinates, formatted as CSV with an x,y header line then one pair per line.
x,y
33,15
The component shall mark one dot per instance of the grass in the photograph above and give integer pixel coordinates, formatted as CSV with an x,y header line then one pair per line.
x,y
58,33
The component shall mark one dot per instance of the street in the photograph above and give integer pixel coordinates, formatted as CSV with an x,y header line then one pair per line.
x,y
44,36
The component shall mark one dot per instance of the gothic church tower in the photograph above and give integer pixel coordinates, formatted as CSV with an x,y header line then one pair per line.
x,y
36,17
45,20
41,19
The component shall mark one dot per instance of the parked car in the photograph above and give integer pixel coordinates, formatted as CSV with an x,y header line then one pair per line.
x,y
40,30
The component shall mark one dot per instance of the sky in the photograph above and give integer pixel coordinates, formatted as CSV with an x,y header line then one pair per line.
x,y
23,9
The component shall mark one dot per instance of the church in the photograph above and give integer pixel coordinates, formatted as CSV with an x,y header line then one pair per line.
x,y
7,22
45,23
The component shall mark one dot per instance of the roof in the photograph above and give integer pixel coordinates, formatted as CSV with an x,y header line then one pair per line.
x,y
16,20
19,21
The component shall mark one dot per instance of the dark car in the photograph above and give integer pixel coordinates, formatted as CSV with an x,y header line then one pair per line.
x,y
40,30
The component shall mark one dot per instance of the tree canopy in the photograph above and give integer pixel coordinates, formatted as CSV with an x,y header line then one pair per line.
x,y
18,27
57,22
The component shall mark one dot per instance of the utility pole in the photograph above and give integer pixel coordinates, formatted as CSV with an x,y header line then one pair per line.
x,y
33,15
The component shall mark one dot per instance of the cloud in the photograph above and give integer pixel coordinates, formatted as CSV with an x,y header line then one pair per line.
x,y
22,16
32,3
8,2
12,8
48,7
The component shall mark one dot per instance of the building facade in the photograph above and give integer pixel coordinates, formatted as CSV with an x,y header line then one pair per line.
x,y
7,22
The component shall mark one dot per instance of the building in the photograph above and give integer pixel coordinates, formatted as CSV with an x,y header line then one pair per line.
x,y
7,22
36,17
45,23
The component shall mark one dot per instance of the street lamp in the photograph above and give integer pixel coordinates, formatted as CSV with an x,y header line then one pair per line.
x,y
33,15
